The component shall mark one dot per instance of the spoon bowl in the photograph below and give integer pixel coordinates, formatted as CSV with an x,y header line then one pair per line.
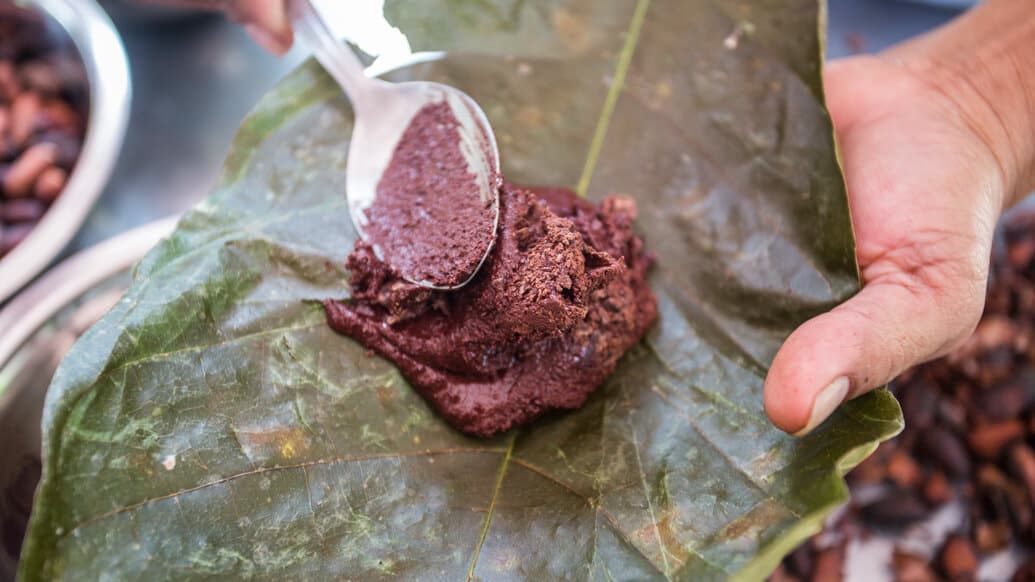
x,y
423,174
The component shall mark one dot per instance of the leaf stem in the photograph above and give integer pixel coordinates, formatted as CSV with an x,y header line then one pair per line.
x,y
492,506
611,101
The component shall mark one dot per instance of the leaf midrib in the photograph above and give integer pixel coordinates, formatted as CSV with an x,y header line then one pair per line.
x,y
632,38
261,470
492,506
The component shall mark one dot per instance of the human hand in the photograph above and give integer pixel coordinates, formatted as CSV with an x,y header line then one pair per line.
x,y
930,160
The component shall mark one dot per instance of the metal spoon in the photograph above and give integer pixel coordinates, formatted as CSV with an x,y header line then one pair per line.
x,y
383,112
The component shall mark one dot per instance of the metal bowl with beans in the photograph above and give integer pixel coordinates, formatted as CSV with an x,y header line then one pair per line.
x,y
38,327
64,106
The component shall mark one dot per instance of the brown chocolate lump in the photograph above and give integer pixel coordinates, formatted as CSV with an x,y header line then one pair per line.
x,y
559,300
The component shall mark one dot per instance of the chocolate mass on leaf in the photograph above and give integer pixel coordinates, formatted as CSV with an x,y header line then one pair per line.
x,y
560,299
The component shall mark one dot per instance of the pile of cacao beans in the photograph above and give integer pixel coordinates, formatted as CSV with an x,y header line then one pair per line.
x,y
44,101
969,436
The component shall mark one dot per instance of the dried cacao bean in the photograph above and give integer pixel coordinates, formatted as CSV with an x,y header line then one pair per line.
x,y
12,235
1022,463
1026,573
829,565
990,440
958,560
1009,399
937,489
39,76
903,470
50,184
898,508
912,568
991,537
23,172
21,210
25,111
919,403
946,449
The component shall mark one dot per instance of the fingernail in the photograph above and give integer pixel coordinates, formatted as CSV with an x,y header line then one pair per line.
x,y
266,39
825,403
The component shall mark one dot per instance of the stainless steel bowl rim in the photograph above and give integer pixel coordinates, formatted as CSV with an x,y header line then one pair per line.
x,y
32,308
107,71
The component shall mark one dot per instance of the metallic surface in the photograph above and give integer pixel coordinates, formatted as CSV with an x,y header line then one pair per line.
x,y
108,73
194,78
384,111
39,327
33,307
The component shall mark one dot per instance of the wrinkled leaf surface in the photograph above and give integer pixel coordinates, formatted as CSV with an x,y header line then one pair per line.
x,y
212,426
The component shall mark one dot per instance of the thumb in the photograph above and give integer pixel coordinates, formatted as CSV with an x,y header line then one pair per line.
x,y
864,343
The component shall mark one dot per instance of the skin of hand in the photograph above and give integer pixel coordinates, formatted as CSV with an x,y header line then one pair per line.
x,y
266,21
936,138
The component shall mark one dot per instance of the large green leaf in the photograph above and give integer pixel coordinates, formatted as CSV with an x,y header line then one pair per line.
x,y
213,426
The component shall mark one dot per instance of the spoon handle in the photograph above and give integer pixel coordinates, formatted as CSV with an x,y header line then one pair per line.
x,y
336,57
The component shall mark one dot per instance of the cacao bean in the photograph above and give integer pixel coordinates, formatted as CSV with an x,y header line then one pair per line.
x,y
990,537
23,172
829,565
994,332
25,111
57,114
912,568
10,87
946,449
952,415
21,210
1022,464
937,489
1009,399
800,561
1026,572
50,184
67,145
997,365
919,403
903,470
899,508
1021,252
39,76
958,560
12,235
990,440
782,575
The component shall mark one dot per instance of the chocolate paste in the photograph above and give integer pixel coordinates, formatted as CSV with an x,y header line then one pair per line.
x,y
428,218
559,300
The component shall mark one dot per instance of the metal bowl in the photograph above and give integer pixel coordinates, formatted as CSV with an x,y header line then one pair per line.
x,y
40,326
108,74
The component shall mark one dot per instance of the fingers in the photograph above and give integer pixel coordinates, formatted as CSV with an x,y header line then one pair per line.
x,y
267,22
860,345
924,201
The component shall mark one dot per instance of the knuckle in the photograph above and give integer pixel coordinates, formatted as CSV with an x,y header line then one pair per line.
x,y
943,265
945,275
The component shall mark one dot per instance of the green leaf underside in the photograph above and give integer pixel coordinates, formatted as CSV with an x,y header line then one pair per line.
x,y
212,426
